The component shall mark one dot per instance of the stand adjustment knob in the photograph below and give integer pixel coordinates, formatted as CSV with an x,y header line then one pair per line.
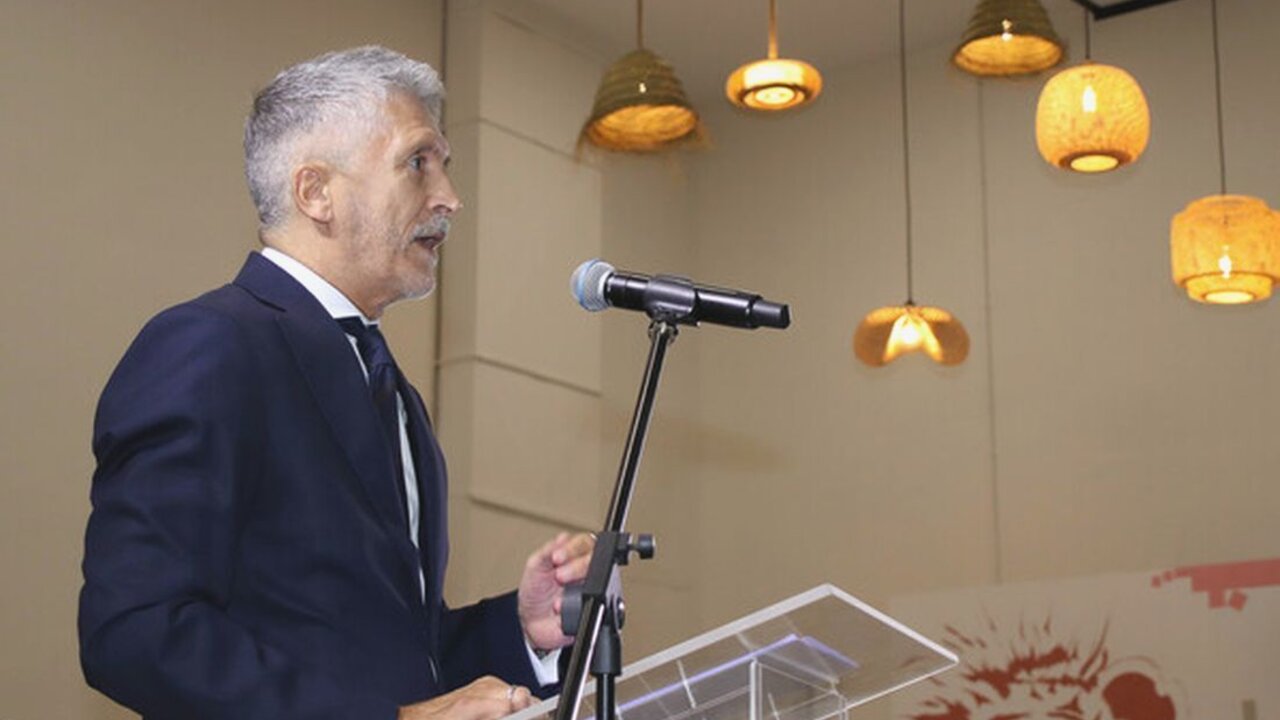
x,y
644,546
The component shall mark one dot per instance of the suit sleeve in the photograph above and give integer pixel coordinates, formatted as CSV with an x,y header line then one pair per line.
x,y
486,639
177,438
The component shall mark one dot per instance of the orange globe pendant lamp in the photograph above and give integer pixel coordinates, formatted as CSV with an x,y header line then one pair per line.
x,y
774,83
1225,248
1092,118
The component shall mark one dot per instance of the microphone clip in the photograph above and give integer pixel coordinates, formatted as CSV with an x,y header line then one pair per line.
x,y
670,299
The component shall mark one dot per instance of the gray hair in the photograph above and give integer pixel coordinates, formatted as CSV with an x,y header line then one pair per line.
x,y
345,89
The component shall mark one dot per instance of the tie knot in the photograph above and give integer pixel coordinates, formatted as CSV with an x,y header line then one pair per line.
x,y
369,341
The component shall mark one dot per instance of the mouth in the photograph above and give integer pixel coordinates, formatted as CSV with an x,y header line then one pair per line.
x,y
430,241
431,234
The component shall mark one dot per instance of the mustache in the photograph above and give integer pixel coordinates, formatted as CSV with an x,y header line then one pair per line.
x,y
438,225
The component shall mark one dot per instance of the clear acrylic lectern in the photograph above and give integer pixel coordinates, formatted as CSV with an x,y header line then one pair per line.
x,y
810,657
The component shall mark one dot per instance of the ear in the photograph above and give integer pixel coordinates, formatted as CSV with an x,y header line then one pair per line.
x,y
312,194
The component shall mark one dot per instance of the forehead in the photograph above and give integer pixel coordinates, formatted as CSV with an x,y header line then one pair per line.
x,y
408,127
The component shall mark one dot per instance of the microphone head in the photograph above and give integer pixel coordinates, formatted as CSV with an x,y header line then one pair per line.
x,y
587,284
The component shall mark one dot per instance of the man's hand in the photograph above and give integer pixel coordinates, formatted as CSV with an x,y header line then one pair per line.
x,y
560,562
485,699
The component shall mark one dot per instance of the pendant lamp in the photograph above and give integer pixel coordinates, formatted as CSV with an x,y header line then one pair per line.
x,y
773,83
1008,37
640,105
894,330
889,332
1225,248
1092,117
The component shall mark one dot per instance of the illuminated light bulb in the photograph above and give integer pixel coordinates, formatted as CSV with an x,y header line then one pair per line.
x,y
1227,297
911,333
643,88
1006,36
774,96
906,334
1230,297
1089,99
1094,163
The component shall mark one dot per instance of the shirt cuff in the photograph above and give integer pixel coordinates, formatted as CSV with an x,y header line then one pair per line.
x,y
545,668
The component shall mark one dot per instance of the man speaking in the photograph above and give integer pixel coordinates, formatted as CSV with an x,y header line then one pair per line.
x,y
268,532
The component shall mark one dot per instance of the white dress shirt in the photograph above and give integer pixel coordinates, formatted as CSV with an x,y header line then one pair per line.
x,y
338,305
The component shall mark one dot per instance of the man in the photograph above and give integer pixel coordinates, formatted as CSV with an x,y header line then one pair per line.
x,y
268,535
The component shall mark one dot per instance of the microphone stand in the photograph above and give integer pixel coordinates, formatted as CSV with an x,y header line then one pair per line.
x,y
599,612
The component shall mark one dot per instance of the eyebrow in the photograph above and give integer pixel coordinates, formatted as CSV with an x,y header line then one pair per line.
x,y
437,146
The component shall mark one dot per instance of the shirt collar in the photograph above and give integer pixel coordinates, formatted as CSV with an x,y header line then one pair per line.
x,y
334,302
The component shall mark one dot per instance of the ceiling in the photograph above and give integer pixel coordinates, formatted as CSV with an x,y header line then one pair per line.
x,y
706,39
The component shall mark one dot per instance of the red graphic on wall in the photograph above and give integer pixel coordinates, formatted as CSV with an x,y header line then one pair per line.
x,y
1225,583
1032,675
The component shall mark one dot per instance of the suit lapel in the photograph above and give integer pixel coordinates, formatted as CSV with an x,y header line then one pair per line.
x,y
332,372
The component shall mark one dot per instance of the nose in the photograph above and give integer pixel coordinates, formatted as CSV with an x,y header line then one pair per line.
x,y
445,200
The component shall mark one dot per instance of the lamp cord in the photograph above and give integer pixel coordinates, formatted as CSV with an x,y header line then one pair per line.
x,y
1217,87
1088,37
640,24
906,144
773,29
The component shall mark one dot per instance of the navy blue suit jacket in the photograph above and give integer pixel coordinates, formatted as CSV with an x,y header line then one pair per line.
x,y
248,555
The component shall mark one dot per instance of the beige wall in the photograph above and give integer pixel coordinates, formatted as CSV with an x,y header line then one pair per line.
x,y
123,193
1102,422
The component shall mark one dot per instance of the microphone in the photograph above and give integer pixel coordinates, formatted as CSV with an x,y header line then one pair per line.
x,y
597,285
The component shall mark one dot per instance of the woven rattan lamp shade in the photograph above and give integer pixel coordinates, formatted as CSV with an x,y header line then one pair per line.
x,y
1092,118
887,333
1008,37
640,106
1226,249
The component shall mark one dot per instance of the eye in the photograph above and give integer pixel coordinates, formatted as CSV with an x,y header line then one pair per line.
x,y
418,162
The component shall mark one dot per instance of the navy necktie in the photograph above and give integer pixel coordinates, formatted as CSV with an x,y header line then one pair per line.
x,y
383,381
